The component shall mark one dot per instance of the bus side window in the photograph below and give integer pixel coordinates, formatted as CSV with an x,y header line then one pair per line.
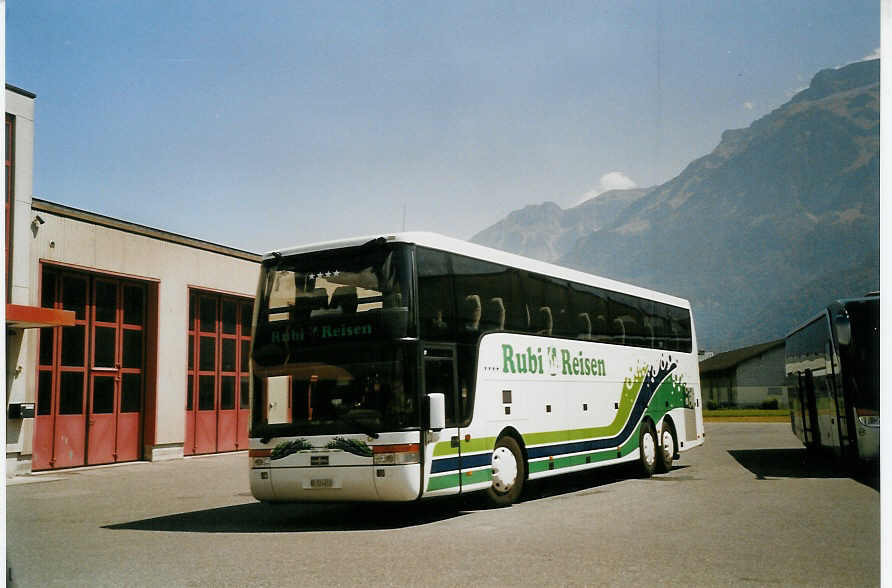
x,y
494,317
544,323
618,334
627,318
471,313
563,325
523,321
645,323
516,317
658,323
486,293
436,307
600,330
634,333
557,299
680,328
584,326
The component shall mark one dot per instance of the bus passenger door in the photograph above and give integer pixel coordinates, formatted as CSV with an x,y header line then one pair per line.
x,y
839,401
440,376
803,415
810,409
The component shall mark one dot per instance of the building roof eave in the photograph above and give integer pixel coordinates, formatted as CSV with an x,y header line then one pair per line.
x,y
20,91
41,205
731,359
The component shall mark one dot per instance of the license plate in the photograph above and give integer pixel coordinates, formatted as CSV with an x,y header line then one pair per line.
x,y
321,483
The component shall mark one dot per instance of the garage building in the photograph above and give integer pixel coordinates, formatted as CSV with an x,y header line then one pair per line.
x,y
124,342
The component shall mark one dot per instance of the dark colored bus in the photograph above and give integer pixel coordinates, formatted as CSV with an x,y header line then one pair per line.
x,y
833,379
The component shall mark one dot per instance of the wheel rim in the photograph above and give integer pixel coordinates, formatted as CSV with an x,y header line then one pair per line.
x,y
504,469
649,449
668,445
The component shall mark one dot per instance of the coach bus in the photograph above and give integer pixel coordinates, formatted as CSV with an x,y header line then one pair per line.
x,y
833,379
412,366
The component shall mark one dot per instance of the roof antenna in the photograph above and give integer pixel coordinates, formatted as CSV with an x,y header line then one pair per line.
x,y
404,217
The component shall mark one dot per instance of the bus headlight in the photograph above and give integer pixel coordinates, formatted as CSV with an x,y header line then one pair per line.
x,y
259,457
868,418
403,454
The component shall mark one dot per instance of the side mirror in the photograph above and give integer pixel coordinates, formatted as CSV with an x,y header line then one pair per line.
x,y
843,330
436,411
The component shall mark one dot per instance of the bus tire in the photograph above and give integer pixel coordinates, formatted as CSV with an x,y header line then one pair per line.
x,y
508,472
666,448
647,443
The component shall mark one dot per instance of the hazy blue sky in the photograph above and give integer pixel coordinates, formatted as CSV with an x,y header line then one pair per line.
x,y
265,124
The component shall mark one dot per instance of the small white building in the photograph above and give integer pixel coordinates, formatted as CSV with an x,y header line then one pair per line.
x,y
745,378
123,342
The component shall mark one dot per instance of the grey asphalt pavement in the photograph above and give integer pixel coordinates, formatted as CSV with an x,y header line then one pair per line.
x,y
750,507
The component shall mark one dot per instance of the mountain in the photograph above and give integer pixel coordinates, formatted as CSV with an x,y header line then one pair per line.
x,y
547,232
781,218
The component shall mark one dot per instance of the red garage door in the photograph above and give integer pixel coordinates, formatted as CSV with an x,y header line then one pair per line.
x,y
91,376
217,384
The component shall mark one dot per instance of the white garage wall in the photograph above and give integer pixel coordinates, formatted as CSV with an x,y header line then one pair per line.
x,y
75,238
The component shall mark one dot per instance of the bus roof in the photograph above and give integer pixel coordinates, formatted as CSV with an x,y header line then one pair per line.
x,y
871,297
449,244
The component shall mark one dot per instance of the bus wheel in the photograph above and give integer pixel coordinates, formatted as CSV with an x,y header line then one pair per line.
x,y
666,449
648,445
508,472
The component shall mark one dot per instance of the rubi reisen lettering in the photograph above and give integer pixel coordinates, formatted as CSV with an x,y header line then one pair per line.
x,y
529,362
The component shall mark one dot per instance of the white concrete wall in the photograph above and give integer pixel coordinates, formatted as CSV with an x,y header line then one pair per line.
x,y
754,396
176,267
18,377
764,370
23,109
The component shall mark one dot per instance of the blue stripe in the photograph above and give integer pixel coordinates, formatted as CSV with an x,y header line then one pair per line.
x,y
466,462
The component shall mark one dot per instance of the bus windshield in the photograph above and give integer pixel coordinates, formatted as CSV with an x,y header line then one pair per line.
x,y
863,355
341,391
358,294
326,356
